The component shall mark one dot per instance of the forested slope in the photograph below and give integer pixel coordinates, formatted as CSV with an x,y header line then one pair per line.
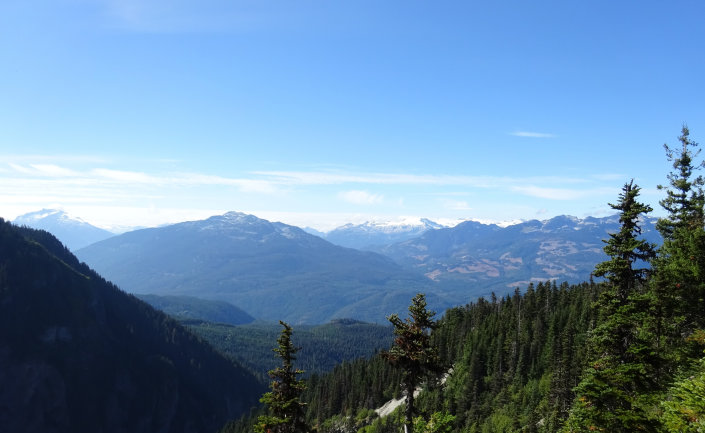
x,y
322,346
77,354
515,361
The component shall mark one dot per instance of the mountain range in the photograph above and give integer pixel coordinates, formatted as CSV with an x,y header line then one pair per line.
x,y
276,271
372,235
488,257
70,230
271,270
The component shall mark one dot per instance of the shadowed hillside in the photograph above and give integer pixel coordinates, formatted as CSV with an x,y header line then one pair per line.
x,y
77,354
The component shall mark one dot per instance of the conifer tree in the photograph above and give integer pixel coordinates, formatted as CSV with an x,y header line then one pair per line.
x,y
684,196
286,411
412,351
620,372
679,283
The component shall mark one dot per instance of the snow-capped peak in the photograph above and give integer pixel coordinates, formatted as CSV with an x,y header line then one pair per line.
x,y
57,215
74,232
400,224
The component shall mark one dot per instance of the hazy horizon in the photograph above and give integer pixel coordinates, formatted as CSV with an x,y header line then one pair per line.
x,y
142,113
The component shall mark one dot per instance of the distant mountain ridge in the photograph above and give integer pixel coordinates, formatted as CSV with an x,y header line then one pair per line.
x,y
271,270
371,235
276,271
490,257
71,231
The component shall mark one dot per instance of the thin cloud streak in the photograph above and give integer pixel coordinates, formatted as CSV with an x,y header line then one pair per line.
x,y
334,178
561,193
271,182
456,205
529,134
361,197
102,176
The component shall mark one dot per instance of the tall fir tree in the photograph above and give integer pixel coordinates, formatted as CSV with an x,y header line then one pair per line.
x,y
412,351
679,281
684,196
286,411
609,397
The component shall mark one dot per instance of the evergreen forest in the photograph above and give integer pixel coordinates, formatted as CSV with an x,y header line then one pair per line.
x,y
622,352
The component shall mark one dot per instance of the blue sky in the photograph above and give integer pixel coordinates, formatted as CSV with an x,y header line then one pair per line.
x,y
143,112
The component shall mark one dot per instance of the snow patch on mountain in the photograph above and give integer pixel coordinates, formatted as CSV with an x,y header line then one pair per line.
x,y
72,231
376,233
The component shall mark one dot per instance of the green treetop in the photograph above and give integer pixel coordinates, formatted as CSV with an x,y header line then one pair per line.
x,y
684,195
286,411
679,283
412,351
624,247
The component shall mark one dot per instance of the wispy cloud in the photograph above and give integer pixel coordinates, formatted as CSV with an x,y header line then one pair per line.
x,y
270,182
337,178
531,134
560,193
54,170
104,176
456,205
361,197
125,176
43,170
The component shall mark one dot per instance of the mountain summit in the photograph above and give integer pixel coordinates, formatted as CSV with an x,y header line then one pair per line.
x,y
71,231
372,235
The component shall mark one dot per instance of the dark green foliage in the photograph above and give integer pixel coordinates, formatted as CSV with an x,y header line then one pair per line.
x,y
679,282
284,406
518,359
684,409
351,386
625,248
515,362
622,363
412,351
77,354
684,196
322,347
